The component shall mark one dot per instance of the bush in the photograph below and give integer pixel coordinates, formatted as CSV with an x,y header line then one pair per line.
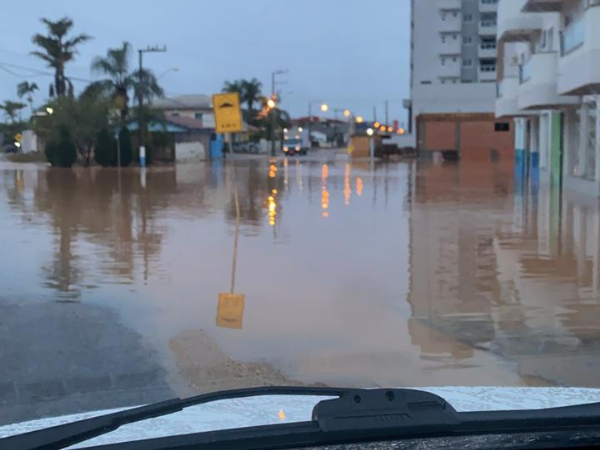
x,y
106,149
66,152
126,146
50,151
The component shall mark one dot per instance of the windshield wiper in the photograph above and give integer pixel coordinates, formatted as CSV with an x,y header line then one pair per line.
x,y
61,436
356,415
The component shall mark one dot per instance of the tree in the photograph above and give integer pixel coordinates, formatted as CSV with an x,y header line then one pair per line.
x,y
60,150
11,109
27,89
233,86
83,117
251,93
119,82
57,51
126,146
105,152
145,85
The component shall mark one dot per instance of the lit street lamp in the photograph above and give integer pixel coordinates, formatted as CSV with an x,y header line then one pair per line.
x,y
324,108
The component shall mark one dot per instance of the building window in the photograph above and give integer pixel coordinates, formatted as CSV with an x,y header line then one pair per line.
x,y
443,39
443,16
454,37
454,59
468,18
198,116
454,14
467,62
467,40
443,61
502,126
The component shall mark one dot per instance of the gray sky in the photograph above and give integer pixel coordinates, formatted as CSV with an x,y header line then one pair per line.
x,y
350,53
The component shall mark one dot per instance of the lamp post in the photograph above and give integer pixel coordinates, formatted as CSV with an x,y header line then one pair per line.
x,y
324,108
141,52
274,103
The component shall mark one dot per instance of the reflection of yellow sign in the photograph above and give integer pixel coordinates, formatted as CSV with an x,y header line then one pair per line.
x,y
228,114
230,313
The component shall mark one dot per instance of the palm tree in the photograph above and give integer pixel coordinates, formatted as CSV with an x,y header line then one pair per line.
x,y
11,109
27,89
251,94
116,66
57,51
233,86
145,85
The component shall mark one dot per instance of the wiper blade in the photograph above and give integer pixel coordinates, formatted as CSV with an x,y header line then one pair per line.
x,y
356,415
61,436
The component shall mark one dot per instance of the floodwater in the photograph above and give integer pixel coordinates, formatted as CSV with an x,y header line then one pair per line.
x,y
392,274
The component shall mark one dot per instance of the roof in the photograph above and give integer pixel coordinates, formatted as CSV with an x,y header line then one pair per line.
x,y
187,122
192,101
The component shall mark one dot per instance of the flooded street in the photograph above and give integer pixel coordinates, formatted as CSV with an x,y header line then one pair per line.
x,y
396,274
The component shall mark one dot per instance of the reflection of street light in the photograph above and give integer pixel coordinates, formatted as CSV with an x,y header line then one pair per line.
x,y
370,131
360,119
49,110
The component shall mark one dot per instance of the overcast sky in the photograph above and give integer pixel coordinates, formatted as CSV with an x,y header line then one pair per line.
x,y
350,53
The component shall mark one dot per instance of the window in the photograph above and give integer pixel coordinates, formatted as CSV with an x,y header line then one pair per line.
x,y
467,62
443,61
454,37
198,116
443,39
468,18
443,16
454,59
467,40
502,126
454,14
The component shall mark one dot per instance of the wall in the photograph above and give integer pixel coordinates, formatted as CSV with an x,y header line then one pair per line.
x,y
473,135
191,146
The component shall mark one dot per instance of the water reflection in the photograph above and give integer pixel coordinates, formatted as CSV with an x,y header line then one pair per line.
x,y
439,274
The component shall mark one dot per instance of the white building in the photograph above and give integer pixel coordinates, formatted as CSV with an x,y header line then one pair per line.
x,y
453,69
195,106
554,48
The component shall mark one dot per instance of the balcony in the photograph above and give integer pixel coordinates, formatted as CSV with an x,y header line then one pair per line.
x,y
506,98
488,27
538,84
451,24
487,50
449,70
488,6
538,6
515,25
451,46
579,63
487,72
450,5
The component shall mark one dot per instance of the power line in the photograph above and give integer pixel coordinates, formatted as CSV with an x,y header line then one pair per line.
x,y
3,64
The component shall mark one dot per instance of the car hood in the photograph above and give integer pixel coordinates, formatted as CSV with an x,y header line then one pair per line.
x,y
246,412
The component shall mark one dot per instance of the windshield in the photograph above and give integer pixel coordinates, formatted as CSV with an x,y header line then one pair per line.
x,y
192,200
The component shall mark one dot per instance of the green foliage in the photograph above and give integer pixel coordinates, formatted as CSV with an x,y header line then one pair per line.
x,y
83,117
250,94
50,151
126,146
61,152
105,152
11,109
56,50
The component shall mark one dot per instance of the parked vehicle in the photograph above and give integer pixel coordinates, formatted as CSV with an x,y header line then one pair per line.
x,y
293,147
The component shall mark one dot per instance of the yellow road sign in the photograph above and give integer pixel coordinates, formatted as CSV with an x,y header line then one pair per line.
x,y
18,137
230,312
228,114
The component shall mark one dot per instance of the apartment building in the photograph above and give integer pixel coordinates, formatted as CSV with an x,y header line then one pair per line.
x,y
549,84
453,77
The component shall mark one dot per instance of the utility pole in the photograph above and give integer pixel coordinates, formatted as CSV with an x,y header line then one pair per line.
x,y
374,113
387,122
273,111
141,125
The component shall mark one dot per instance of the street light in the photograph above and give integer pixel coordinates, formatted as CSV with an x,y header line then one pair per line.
x,y
370,131
324,107
360,119
49,110
166,72
347,113
271,103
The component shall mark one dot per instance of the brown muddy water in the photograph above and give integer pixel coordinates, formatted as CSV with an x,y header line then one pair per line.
x,y
393,274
